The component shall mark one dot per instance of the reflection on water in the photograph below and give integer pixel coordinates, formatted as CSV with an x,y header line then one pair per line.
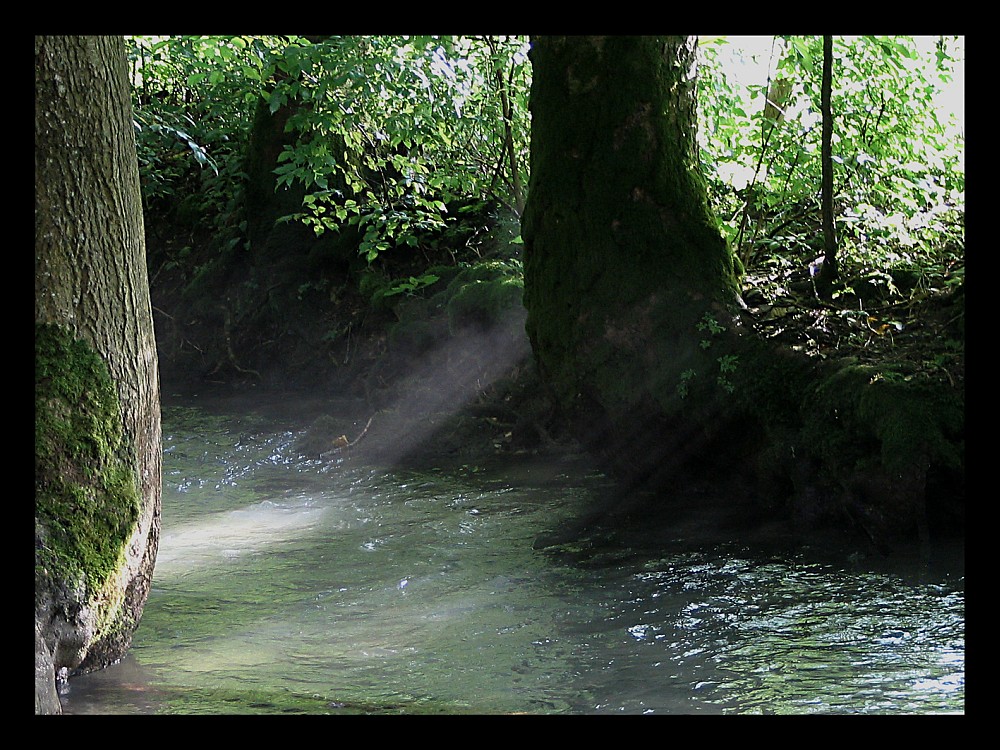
x,y
804,638
292,586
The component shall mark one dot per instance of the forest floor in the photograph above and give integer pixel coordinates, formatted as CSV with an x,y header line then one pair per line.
x,y
910,327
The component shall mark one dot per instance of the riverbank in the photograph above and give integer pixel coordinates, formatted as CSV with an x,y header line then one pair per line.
x,y
405,369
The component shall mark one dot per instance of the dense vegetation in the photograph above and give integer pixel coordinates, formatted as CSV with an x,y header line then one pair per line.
x,y
425,119
899,195
395,129
900,182
403,163
402,137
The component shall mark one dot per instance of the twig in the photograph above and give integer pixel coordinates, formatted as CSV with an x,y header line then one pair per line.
x,y
363,433
349,444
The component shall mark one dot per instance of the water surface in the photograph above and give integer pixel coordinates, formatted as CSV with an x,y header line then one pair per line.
x,y
290,585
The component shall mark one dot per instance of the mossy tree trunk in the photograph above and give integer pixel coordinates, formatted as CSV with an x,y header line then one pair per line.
x,y
97,433
626,272
273,241
635,320
265,202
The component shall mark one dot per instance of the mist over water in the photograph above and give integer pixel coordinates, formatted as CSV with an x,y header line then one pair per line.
x,y
290,585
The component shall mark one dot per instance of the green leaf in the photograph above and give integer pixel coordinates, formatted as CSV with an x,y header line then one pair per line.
x,y
276,101
803,50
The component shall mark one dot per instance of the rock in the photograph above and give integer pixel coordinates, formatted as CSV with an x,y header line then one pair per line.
x,y
46,696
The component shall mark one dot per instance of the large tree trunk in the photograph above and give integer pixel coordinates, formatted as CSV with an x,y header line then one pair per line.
x,y
626,272
97,434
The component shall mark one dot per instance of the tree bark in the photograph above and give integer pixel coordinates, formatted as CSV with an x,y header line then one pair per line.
x,y
623,257
93,325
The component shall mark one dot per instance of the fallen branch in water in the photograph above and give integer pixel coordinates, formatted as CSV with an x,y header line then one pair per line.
x,y
342,442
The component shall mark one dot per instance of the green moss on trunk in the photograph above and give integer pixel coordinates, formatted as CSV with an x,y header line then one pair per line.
x,y
86,500
623,256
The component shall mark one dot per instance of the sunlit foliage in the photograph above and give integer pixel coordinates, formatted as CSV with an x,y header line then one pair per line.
x,y
390,130
394,133
397,127
900,176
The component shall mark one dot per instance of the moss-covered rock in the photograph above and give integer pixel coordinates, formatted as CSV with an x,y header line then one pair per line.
x,y
874,437
320,437
484,303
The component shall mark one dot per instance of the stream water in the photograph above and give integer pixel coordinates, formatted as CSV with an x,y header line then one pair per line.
x,y
288,585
